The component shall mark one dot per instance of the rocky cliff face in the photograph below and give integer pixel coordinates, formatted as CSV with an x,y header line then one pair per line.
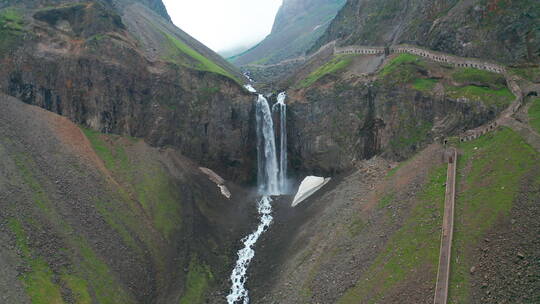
x,y
344,117
333,129
504,31
298,24
126,70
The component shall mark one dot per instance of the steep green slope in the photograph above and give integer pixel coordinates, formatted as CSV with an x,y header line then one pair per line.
x,y
498,183
298,24
95,218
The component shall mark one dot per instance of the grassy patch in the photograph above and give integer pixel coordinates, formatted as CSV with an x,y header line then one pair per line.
x,y
114,158
11,28
534,114
411,135
198,62
497,162
404,68
116,220
529,73
386,200
155,191
414,245
356,226
335,65
199,278
38,280
490,97
39,196
398,61
79,289
102,280
471,75
159,197
424,85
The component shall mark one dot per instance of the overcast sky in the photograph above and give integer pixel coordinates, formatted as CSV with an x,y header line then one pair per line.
x,y
224,24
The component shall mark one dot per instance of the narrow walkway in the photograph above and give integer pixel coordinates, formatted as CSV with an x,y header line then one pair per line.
x,y
441,289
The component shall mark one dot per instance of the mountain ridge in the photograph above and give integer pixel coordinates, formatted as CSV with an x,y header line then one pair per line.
x,y
297,25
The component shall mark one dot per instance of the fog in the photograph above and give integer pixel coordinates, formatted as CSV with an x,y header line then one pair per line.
x,y
224,25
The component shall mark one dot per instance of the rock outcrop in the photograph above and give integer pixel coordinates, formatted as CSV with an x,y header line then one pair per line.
x,y
505,31
124,69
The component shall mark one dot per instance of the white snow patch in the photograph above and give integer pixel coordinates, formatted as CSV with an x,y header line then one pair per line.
x,y
250,88
308,187
218,180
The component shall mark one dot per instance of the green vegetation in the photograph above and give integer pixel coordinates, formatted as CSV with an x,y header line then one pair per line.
x,y
114,159
404,68
11,28
338,63
489,176
39,196
398,61
411,135
414,245
198,61
11,19
386,200
500,98
472,75
424,85
534,114
39,279
199,278
154,190
160,198
103,282
79,289
356,226
97,37
531,73
43,285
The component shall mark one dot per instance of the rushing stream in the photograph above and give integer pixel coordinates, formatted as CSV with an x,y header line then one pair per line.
x,y
271,181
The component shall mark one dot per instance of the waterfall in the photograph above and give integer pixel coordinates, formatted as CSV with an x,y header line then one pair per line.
x,y
267,171
271,181
282,107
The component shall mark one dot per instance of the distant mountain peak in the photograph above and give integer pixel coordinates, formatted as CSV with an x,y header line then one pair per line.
x,y
298,24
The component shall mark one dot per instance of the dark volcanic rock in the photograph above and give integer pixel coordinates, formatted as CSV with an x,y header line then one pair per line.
x,y
333,125
83,62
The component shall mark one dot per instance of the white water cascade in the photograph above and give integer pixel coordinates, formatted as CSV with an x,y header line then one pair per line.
x,y
282,108
267,167
271,181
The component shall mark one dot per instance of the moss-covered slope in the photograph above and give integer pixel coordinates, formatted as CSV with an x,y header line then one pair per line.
x,y
94,218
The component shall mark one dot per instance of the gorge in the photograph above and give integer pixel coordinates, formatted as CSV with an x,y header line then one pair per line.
x,y
272,181
137,166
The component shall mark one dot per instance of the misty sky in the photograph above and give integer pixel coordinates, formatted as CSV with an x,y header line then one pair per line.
x,y
224,24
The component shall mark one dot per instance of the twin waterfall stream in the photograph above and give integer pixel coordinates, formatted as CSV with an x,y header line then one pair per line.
x,y
271,179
